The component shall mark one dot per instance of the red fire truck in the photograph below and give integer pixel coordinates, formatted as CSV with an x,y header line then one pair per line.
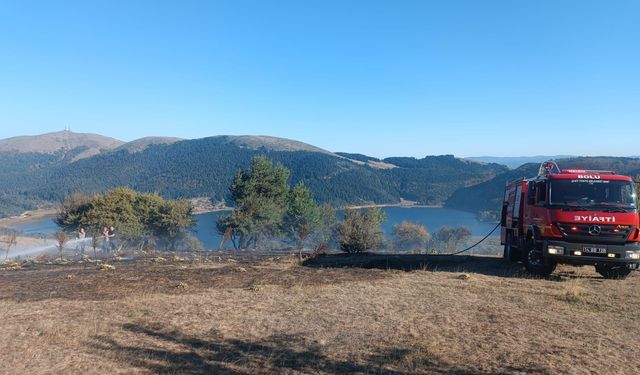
x,y
579,217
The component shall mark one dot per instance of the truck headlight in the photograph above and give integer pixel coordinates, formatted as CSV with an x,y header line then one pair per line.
x,y
555,250
632,255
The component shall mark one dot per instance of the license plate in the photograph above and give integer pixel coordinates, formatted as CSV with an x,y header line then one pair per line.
x,y
594,250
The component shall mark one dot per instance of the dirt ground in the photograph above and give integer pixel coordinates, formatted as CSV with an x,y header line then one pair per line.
x,y
366,314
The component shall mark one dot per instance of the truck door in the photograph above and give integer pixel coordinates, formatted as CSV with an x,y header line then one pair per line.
x,y
516,205
515,214
539,213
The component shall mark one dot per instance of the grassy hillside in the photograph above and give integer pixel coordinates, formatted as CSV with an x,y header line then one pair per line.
x,y
52,143
336,315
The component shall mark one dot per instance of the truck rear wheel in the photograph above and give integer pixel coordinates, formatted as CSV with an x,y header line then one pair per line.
x,y
510,253
534,261
617,272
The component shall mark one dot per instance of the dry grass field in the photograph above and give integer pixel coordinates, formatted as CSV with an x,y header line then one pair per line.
x,y
368,314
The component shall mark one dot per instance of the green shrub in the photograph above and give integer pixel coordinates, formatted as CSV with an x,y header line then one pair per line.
x,y
408,236
360,231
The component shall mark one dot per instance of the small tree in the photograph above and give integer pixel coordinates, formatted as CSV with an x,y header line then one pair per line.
x,y
360,231
95,237
260,197
10,240
62,239
328,229
163,218
409,236
302,217
451,237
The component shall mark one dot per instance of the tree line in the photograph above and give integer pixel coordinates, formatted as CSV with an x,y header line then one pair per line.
x,y
266,207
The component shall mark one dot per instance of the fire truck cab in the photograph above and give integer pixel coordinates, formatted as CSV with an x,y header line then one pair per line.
x,y
579,217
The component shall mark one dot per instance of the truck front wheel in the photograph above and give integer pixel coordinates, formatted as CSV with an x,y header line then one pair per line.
x,y
535,263
610,271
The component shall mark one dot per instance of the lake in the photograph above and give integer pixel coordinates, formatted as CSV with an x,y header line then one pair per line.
x,y
205,230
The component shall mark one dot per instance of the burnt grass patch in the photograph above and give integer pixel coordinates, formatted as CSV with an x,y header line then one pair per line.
x,y
138,277
486,265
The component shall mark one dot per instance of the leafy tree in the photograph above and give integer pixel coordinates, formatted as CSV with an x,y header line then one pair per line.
x,y
260,196
71,209
360,231
410,236
163,218
302,217
451,237
115,208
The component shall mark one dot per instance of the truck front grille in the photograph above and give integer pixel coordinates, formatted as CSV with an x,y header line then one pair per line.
x,y
595,233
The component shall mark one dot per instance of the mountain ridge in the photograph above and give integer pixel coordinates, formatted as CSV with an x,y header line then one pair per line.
x,y
141,144
206,166
84,144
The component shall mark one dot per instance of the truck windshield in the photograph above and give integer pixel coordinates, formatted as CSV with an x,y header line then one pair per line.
x,y
612,194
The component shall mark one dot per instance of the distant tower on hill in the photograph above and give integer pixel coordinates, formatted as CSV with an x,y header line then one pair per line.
x,y
66,143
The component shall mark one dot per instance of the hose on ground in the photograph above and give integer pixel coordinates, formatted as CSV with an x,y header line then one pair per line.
x,y
475,244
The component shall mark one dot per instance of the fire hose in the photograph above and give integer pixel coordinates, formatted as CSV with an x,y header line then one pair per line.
x,y
475,244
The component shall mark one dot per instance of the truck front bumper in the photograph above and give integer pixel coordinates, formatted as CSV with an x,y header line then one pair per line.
x,y
593,254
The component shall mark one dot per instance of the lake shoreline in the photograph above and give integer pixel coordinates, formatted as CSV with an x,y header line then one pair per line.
x,y
349,207
35,215
28,217
398,205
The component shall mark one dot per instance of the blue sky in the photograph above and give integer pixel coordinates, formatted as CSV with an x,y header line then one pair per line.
x,y
383,78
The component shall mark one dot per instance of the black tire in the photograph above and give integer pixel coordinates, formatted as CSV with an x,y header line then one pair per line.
x,y
616,272
509,253
535,263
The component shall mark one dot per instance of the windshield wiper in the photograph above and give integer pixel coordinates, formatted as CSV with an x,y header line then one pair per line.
x,y
574,208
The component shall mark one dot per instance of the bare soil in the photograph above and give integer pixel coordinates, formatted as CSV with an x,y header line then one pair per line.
x,y
366,314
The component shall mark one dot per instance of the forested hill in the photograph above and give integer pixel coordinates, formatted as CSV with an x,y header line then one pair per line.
x,y
488,195
205,167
